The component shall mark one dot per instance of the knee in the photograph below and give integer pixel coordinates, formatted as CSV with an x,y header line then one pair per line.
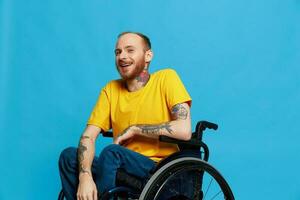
x,y
68,156
109,151
111,148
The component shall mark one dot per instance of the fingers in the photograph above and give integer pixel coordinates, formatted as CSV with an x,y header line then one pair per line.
x,y
122,139
95,195
90,196
126,142
119,140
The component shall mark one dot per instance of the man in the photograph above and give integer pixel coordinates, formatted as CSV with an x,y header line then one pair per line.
x,y
138,108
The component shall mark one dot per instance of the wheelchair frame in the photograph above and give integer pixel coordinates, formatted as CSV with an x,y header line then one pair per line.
x,y
189,158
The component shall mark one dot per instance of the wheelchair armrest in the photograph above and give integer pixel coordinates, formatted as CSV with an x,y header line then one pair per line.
x,y
107,134
192,142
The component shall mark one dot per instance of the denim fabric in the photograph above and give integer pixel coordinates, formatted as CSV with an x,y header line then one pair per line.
x,y
104,168
180,186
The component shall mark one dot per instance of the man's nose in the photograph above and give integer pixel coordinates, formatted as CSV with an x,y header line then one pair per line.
x,y
123,55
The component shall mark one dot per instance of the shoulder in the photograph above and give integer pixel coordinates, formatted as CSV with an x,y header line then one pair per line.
x,y
114,85
163,73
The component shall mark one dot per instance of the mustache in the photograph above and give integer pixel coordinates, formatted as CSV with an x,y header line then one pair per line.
x,y
123,63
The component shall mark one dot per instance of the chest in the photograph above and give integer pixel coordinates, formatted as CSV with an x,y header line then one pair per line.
x,y
146,107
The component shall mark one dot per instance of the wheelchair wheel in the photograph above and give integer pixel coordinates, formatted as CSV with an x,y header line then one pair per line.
x,y
186,178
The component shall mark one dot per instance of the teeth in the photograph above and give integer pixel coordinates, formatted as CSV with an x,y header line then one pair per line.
x,y
124,64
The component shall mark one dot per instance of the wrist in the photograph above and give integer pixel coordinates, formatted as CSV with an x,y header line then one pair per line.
x,y
84,174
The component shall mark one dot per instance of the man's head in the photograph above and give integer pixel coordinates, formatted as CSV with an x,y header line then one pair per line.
x,y
133,54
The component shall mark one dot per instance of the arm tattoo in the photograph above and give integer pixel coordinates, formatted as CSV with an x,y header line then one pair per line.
x,y
155,129
81,149
179,112
84,137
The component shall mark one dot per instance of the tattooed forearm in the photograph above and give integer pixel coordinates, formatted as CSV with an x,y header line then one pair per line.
x,y
155,129
81,149
179,112
84,137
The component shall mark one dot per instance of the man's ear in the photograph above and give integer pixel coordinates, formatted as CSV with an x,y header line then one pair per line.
x,y
148,56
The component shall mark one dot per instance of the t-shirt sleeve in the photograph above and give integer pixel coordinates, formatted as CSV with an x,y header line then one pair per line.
x,y
175,90
100,115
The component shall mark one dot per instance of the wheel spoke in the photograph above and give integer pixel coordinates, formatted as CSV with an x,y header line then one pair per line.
x,y
207,188
211,181
216,195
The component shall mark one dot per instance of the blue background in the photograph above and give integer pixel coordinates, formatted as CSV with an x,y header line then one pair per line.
x,y
238,59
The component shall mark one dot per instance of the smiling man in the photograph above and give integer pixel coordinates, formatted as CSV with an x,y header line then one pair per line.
x,y
139,108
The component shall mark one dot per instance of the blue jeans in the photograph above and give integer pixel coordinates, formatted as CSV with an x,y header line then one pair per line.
x,y
104,168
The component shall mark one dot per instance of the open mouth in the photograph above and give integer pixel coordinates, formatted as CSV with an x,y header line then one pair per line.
x,y
125,64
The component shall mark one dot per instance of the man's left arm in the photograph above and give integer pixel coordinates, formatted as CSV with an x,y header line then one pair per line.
x,y
179,127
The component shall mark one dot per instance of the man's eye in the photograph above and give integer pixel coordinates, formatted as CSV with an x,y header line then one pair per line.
x,y
130,50
117,53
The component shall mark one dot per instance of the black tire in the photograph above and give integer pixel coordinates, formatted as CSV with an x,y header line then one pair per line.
x,y
155,186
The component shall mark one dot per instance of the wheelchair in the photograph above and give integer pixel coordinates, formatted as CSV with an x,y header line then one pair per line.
x,y
184,175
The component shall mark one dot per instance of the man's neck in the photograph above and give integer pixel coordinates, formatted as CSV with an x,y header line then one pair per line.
x,y
138,82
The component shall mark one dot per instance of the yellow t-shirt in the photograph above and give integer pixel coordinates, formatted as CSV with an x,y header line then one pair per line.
x,y
117,108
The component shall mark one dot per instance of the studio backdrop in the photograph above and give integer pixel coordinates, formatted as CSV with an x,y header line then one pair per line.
x,y
239,60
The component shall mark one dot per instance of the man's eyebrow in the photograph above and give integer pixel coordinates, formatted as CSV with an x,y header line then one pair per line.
x,y
129,46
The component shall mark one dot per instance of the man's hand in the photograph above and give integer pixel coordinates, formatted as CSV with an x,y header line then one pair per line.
x,y
126,136
87,189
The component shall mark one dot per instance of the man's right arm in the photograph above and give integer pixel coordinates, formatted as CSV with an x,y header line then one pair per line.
x,y
86,152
